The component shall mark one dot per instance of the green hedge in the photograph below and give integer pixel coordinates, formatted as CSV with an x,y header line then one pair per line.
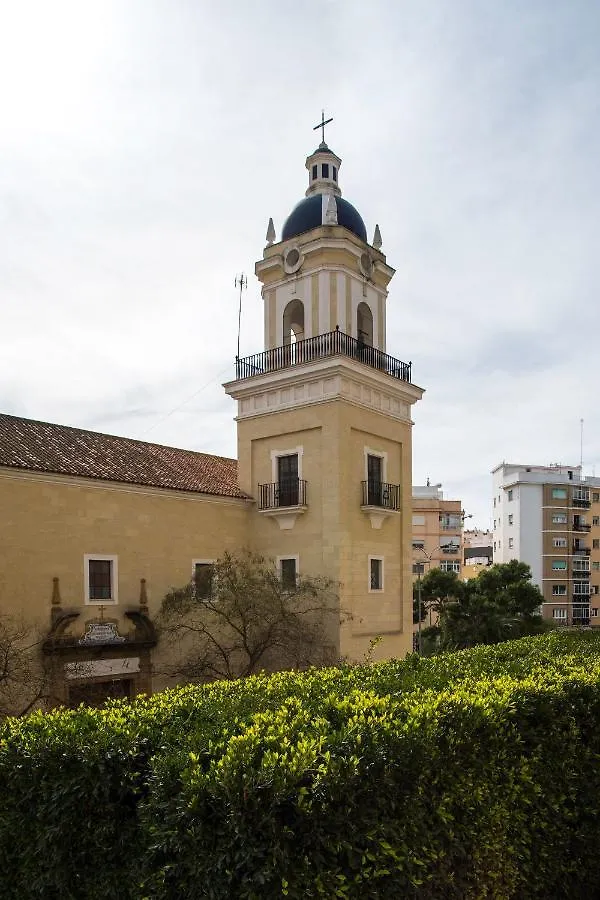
x,y
475,774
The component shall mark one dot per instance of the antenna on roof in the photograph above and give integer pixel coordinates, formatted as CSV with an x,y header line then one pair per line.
x,y
581,444
242,282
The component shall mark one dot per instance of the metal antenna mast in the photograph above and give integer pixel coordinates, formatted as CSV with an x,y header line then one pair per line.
x,y
581,444
240,282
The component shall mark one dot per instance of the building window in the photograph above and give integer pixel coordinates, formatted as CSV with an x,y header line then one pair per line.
x,y
560,614
595,520
559,564
595,589
509,494
559,493
559,519
596,497
100,579
594,611
325,170
418,545
560,542
581,494
559,590
418,568
510,519
334,170
494,545
494,503
288,571
202,576
447,566
494,524
375,573
418,520
510,543
595,544
596,566
314,172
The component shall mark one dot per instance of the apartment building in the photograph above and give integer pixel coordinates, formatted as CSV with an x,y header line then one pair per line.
x,y
549,517
478,552
437,530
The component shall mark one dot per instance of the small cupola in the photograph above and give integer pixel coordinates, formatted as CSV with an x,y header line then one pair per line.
x,y
323,171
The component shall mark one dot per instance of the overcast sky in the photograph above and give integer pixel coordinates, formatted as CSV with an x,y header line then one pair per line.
x,y
144,145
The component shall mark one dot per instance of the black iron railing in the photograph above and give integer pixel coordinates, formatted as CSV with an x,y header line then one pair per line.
x,y
379,493
577,526
291,492
450,548
334,343
581,502
581,550
581,615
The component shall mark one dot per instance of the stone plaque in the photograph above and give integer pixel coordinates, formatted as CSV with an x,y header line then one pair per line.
x,y
101,633
102,667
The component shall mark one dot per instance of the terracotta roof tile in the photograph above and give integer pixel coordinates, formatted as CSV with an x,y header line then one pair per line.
x,y
43,447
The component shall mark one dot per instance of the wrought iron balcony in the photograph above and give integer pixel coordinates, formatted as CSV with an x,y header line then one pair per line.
x,y
282,494
581,502
380,494
582,574
334,343
450,548
581,550
581,615
577,526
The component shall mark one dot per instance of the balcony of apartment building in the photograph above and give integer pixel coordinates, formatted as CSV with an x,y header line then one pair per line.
x,y
579,524
285,498
581,498
322,346
451,522
581,613
580,548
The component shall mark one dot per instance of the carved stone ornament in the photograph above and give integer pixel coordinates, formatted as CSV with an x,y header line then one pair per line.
x,y
101,633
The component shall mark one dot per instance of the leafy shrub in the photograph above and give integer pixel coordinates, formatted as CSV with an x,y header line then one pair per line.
x,y
467,775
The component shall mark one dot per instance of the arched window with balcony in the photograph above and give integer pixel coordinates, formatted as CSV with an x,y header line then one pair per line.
x,y
293,322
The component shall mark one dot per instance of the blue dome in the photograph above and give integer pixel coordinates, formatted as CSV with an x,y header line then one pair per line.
x,y
309,214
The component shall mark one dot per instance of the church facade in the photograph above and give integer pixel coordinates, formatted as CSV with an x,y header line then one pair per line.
x,y
95,529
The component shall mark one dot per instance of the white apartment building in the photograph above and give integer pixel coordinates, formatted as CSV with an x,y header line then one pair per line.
x,y
549,518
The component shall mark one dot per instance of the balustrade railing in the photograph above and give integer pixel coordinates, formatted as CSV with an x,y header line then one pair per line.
x,y
288,492
379,493
333,343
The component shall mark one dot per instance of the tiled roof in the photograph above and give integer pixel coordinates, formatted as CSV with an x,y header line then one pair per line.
x,y
43,447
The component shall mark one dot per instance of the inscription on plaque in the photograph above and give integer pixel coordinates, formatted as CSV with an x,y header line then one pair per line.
x,y
101,633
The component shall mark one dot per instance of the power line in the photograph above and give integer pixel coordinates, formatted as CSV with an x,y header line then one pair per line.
x,y
185,402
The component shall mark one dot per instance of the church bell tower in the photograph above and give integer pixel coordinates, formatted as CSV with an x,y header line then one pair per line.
x,y
324,416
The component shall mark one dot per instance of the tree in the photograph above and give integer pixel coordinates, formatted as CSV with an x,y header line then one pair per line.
x,y
499,605
247,619
437,588
24,679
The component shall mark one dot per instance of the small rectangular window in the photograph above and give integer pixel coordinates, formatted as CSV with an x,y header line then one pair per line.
x,y
594,611
510,519
375,573
559,564
288,572
418,520
559,519
596,566
325,170
595,520
595,589
203,580
509,494
100,579
559,590
560,542
559,493
595,544
418,545
334,173
418,568
596,497
560,614
494,503
510,543
447,566
314,172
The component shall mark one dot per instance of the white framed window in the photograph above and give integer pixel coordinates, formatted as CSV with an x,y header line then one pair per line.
x,y
559,518
559,542
594,611
418,520
375,573
595,589
559,493
370,465
510,543
276,454
203,578
559,564
509,495
510,519
595,520
450,566
559,590
288,567
100,579
559,613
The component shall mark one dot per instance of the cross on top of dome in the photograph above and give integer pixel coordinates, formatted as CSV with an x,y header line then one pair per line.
x,y
321,125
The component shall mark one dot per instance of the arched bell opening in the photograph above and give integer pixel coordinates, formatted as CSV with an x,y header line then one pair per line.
x,y
364,324
293,322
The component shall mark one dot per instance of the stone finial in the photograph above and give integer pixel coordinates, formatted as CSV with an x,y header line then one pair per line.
x,y
143,595
56,598
270,233
377,238
331,211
